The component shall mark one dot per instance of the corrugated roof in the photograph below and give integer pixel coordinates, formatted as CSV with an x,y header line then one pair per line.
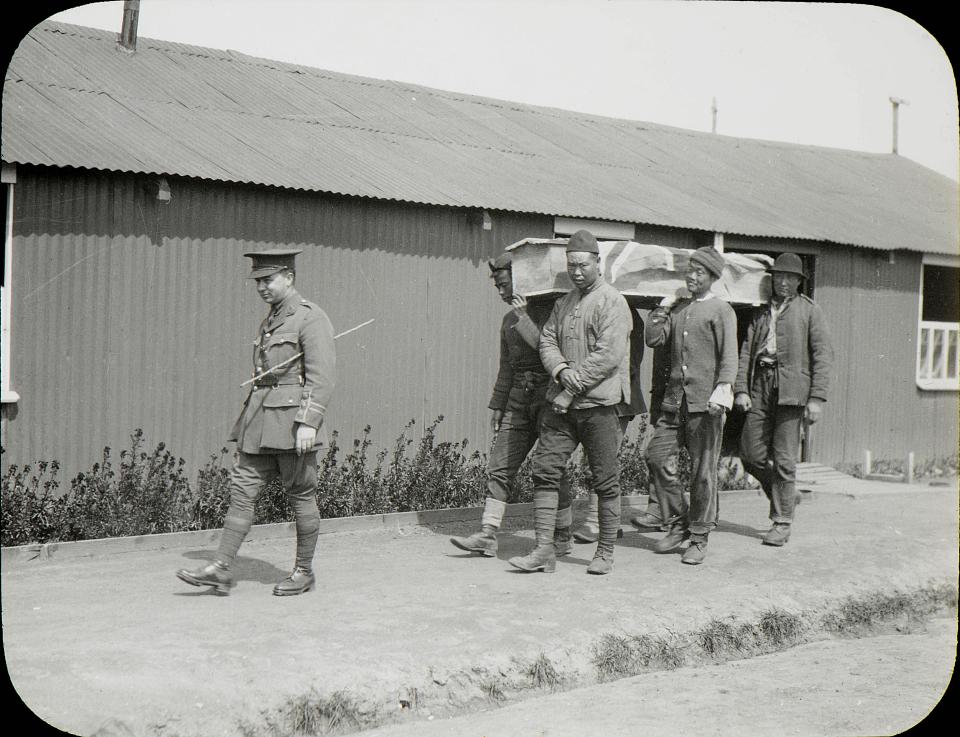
x,y
71,98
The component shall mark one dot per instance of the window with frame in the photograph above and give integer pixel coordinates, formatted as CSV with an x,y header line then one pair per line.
x,y
938,358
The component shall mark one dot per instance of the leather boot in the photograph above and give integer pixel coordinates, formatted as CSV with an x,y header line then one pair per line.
x,y
543,558
300,581
601,564
214,574
671,541
646,522
777,535
483,542
697,551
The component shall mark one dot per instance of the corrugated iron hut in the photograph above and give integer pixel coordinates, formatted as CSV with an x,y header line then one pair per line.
x,y
135,179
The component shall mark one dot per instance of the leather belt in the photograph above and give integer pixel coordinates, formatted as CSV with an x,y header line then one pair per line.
x,y
265,383
766,362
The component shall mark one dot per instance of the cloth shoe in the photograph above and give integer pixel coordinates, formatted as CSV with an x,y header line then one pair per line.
x,y
671,541
483,542
777,535
542,558
300,581
214,574
601,564
562,541
695,554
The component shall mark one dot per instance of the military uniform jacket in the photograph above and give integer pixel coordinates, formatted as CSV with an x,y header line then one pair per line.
x,y
519,358
804,351
296,393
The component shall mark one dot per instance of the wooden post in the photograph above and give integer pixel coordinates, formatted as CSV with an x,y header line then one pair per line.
x,y
867,463
908,476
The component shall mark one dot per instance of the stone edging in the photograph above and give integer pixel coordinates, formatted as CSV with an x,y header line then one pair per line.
x,y
632,504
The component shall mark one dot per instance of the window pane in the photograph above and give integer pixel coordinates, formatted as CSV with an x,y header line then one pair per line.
x,y
922,372
952,355
937,367
941,293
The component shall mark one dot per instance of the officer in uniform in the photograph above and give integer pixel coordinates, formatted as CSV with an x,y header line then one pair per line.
x,y
281,425
518,401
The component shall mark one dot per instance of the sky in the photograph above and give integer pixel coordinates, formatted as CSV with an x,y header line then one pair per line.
x,y
810,73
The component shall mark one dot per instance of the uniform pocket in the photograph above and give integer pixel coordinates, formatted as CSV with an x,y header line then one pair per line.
x,y
281,347
280,408
283,396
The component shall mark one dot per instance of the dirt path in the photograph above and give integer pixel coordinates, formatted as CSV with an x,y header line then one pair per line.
x,y
117,637
873,686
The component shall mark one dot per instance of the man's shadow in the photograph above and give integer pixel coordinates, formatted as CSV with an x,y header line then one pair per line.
x,y
244,569
738,529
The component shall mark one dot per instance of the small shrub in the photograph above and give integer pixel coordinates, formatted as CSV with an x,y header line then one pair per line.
x,y
29,509
542,674
147,494
212,496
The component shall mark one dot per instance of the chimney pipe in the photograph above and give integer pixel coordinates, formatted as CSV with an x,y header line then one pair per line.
x,y
128,32
897,102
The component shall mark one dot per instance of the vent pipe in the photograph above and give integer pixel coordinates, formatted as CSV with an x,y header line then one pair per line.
x,y
128,32
897,102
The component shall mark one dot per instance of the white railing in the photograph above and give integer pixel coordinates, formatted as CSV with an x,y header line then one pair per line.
x,y
938,358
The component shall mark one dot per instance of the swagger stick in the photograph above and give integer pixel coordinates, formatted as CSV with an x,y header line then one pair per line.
x,y
294,358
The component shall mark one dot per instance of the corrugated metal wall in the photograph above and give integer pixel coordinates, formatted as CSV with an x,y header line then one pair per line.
x,y
872,306
130,313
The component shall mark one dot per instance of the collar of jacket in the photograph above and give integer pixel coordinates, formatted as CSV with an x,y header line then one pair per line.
x,y
592,288
285,308
784,304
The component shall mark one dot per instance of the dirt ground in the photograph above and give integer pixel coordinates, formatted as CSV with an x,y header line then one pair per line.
x,y
117,640
879,685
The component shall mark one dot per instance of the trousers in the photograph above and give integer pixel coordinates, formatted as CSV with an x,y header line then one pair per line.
x,y
600,431
700,433
770,444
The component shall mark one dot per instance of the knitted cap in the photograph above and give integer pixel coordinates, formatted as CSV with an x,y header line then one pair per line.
x,y
502,262
583,240
710,259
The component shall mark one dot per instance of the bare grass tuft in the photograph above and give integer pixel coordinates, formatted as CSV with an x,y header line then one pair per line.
x,y
312,715
542,673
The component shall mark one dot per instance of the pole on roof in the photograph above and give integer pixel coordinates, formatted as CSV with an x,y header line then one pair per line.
x,y
713,114
897,102
128,31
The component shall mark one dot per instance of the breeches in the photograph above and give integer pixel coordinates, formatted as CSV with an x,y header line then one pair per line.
x,y
519,431
298,474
